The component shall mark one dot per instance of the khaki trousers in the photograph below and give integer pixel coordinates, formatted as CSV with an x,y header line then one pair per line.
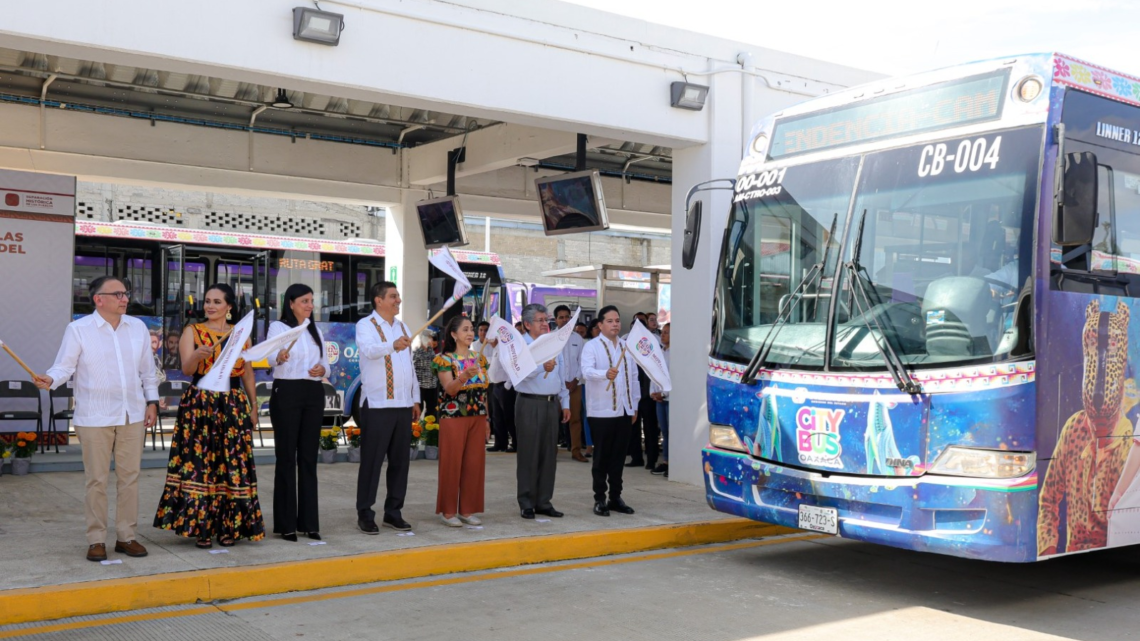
x,y
125,443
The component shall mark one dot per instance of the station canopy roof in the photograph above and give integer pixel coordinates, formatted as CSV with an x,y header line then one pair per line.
x,y
135,92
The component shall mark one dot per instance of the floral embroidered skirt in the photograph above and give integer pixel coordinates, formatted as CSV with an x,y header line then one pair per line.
x,y
211,485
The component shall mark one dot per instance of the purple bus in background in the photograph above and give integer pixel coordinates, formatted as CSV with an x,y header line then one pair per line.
x,y
259,268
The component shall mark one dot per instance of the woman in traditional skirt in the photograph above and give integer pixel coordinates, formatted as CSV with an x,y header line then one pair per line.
x,y
211,486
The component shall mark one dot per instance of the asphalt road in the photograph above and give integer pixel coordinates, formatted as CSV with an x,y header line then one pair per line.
x,y
801,587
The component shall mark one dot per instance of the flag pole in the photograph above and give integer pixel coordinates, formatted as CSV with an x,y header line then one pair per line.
x,y
621,361
20,362
432,319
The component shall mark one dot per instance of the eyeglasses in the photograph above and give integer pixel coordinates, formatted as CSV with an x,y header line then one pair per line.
x,y
118,295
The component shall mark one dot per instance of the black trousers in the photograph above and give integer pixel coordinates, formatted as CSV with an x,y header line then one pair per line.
x,y
611,440
650,429
296,409
503,416
386,433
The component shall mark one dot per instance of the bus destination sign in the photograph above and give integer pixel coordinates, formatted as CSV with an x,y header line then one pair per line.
x,y
949,104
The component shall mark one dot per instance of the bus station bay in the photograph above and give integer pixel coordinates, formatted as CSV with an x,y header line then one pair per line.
x,y
174,98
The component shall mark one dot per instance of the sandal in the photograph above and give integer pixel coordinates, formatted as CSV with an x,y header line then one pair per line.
x,y
226,542
204,544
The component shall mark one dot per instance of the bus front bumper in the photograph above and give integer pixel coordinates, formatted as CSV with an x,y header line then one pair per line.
x,y
993,520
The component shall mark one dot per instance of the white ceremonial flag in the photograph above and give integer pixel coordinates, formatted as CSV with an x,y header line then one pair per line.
x,y
445,262
642,345
218,378
549,346
512,353
273,345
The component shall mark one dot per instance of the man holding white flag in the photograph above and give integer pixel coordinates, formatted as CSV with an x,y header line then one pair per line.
x,y
542,400
391,395
612,396
116,398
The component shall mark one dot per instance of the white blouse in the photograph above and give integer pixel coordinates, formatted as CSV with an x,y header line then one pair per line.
x,y
304,356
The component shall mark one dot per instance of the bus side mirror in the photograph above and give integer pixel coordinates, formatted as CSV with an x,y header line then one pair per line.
x,y
692,235
1074,218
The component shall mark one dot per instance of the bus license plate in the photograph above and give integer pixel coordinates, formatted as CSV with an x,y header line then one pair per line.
x,y
819,519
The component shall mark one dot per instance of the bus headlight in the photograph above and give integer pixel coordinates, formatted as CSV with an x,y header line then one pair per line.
x,y
725,438
760,144
989,464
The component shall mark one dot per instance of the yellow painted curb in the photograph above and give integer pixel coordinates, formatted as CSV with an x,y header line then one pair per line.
x,y
46,603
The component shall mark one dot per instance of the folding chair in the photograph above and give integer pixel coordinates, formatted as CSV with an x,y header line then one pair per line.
x,y
264,391
168,391
65,393
24,390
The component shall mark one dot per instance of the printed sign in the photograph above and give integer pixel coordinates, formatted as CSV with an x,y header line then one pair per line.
x,y
817,436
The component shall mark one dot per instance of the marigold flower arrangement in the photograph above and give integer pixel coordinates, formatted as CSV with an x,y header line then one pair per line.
x,y
431,431
328,439
25,444
353,434
417,431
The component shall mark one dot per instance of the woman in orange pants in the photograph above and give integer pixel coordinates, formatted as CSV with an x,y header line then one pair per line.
x,y
462,425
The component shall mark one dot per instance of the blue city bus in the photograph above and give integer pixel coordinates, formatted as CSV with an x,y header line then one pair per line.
x,y
259,267
921,332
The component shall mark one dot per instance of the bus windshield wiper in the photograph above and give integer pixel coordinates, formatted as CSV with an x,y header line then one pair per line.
x,y
862,299
814,274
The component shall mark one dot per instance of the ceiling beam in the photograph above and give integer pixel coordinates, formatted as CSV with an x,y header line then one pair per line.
x,y
488,149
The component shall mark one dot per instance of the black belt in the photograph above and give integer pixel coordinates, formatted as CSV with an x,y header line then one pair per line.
x,y
550,398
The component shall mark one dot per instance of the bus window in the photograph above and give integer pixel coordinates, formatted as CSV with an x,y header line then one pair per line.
x,y
332,297
239,276
366,273
88,267
139,272
295,267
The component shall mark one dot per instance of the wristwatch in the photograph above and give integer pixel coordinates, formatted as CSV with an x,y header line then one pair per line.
x,y
154,403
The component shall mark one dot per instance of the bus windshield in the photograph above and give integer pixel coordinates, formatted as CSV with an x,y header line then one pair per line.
x,y
932,263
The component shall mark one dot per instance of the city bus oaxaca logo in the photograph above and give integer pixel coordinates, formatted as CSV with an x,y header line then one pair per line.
x,y
332,352
644,347
817,436
12,200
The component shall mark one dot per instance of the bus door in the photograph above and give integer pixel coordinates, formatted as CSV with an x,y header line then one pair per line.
x,y
249,277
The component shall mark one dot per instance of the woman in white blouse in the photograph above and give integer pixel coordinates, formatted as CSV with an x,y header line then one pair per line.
x,y
297,408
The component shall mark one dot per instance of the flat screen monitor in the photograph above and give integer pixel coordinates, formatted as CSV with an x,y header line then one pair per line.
x,y
572,203
441,220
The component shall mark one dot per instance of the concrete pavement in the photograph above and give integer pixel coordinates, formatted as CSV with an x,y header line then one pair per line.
x,y
49,577
800,587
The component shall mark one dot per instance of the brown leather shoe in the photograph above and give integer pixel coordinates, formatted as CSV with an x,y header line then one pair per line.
x,y
578,457
130,548
97,552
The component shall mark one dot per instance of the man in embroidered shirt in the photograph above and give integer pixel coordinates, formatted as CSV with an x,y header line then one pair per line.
x,y
391,404
116,399
611,409
542,400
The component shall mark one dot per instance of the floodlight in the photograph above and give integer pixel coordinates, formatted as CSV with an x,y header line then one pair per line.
x,y
314,25
685,95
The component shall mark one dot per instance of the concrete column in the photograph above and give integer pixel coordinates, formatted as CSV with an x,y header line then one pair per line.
x,y
406,261
691,316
